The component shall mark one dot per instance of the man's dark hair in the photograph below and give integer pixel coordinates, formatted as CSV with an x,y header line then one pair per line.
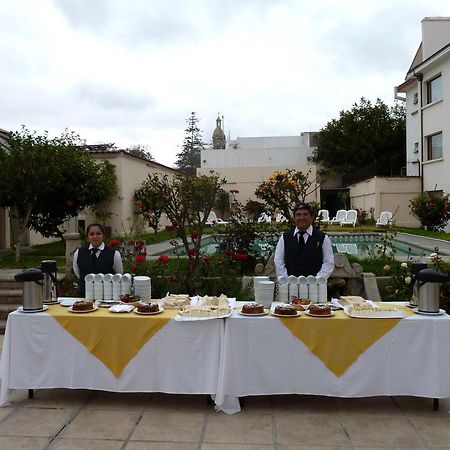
x,y
303,206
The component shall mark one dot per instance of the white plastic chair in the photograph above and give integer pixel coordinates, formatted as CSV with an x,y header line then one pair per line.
x,y
385,219
339,217
350,218
264,218
280,218
323,216
214,220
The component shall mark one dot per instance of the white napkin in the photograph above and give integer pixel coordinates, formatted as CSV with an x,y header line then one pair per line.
x,y
121,308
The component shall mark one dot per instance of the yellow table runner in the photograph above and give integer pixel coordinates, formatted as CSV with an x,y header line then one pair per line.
x,y
114,338
340,340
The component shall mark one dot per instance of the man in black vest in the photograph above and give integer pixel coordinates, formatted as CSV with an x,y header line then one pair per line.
x,y
304,250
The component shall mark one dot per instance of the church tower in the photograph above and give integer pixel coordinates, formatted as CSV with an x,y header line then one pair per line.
x,y
218,136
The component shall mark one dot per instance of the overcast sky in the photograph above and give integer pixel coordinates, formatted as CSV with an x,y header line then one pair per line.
x,y
131,71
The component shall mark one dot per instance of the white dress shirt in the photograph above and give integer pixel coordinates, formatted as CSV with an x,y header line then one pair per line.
x,y
117,264
327,255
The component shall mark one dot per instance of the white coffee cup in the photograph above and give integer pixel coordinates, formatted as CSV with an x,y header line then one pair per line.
x,y
107,278
89,278
98,278
117,278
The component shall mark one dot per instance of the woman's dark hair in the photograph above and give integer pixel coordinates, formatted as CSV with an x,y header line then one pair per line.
x,y
102,228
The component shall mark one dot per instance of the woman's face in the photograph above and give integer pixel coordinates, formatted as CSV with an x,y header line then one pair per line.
x,y
95,236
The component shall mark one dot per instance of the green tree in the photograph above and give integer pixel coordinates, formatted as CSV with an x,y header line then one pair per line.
x,y
431,208
143,151
149,204
46,181
283,190
189,157
371,136
187,202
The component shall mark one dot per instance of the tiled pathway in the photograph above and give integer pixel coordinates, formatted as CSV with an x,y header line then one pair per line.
x,y
65,419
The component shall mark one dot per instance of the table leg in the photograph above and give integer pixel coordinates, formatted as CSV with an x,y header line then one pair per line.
x,y
435,404
30,393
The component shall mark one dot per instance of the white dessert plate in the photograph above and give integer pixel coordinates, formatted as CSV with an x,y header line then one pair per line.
x,y
68,301
56,302
251,315
81,312
148,313
441,311
179,318
287,316
321,315
120,309
27,311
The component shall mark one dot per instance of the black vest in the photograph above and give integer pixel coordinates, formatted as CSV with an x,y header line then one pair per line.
x,y
310,260
104,264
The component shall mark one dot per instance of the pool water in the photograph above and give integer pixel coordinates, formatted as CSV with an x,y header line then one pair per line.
x,y
360,245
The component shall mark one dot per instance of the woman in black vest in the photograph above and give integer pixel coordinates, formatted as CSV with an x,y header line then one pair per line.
x,y
95,257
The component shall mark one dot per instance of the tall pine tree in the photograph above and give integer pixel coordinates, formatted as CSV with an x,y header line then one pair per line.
x,y
189,157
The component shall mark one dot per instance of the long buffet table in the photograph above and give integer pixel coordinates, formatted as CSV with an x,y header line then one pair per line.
x,y
227,358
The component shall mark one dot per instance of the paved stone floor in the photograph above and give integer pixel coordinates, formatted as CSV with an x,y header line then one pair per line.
x,y
66,419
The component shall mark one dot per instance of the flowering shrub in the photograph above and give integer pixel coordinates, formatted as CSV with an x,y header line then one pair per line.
x,y
140,258
114,243
431,209
284,190
164,259
401,285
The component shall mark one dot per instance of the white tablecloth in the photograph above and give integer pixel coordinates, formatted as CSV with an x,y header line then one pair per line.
x,y
183,357
262,357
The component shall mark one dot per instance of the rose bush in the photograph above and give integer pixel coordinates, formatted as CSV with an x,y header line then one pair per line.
x,y
431,208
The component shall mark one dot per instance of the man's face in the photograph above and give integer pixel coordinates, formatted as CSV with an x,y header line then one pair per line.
x,y
303,219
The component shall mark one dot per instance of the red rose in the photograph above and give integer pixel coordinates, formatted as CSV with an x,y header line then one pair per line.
x,y
205,258
140,258
194,251
174,223
240,257
195,235
163,259
228,252
134,268
114,243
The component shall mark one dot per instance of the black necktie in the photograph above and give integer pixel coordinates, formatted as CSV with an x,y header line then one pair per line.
x,y
94,258
301,240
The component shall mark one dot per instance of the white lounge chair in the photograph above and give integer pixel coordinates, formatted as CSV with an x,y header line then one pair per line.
x,y
341,248
264,218
350,218
339,217
213,220
352,249
323,216
385,219
280,218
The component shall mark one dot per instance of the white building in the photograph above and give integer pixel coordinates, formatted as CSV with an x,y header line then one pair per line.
x,y
427,89
248,161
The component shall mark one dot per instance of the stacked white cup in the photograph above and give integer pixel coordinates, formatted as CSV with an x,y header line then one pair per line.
x,y
265,292
126,283
143,288
293,286
98,286
107,287
283,289
89,286
303,287
322,283
116,286
313,288
256,281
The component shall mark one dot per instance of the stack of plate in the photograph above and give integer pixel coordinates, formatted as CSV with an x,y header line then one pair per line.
x,y
256,280
265,293
98,286
116,286
126,283
143,287
107,287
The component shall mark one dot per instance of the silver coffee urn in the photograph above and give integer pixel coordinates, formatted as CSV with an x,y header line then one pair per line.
x,y
50,282
416,267
32,289
429,290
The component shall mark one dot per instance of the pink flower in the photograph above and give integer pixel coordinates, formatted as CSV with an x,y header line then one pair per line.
x,y
163,259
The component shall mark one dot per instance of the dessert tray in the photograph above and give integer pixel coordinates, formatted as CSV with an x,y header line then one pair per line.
x,y
148,313
252,315
81,312
206,308
372,311
27,311
287,316
121,308
321,315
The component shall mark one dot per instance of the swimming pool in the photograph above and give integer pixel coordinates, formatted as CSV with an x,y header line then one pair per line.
x,y
357,244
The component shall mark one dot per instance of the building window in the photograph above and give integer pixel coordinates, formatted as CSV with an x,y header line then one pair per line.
x,y
434,146
416,98
434,89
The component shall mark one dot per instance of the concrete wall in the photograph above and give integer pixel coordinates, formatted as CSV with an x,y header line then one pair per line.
x,y
387,194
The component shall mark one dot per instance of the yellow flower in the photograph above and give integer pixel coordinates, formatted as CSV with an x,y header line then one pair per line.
x,y
387,268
